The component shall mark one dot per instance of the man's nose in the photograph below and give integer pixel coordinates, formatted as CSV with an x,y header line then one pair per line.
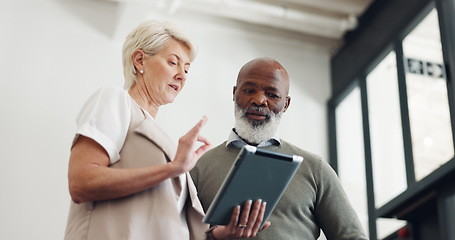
x,y
259,100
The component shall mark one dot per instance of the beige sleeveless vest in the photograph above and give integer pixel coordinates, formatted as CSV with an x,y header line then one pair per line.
x,y
151,214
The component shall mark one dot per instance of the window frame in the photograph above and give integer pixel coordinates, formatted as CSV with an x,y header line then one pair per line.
x,y
422,188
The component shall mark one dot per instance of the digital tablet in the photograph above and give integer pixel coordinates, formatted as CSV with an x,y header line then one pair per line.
x,y
256,174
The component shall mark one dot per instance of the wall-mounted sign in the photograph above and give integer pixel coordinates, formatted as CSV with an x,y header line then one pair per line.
x,y
431,69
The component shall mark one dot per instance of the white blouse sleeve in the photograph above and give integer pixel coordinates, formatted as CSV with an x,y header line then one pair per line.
x,y
105,118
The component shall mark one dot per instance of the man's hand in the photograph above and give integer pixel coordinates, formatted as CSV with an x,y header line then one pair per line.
x,y
244,226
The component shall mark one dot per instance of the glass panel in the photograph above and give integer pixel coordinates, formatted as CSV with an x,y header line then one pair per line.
x,y
351,160
387,226
429,115
387,151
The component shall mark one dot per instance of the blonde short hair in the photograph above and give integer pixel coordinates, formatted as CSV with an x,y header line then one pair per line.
x,y
150,36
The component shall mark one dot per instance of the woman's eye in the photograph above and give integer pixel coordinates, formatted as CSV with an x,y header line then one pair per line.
x,y
172,63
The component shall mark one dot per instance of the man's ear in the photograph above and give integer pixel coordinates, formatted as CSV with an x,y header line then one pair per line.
x,y
287,103
234,89
138,59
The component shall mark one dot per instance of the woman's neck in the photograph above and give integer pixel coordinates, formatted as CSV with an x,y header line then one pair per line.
x,y
143,100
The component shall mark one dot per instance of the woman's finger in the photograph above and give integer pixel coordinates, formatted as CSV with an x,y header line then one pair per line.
x,y
194,132
204,148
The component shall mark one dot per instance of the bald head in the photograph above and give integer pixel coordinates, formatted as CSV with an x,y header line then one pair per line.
x,y
264,68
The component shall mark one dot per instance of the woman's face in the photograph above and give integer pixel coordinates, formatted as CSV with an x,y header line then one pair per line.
x,y
165,72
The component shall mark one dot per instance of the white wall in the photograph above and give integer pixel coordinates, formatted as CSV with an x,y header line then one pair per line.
x,y
55,53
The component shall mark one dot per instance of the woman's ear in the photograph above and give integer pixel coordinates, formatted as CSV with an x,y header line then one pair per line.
x,y
138,59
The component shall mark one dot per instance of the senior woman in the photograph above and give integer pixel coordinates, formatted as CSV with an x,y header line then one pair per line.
x,y
127,179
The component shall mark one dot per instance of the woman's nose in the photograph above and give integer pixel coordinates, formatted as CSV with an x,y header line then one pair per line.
x,y
181,75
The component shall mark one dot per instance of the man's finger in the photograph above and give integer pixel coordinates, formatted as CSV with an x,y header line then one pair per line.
x,y
235,216
260,217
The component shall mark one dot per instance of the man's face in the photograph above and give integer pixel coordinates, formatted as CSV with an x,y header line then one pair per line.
x,y
261,98
261,91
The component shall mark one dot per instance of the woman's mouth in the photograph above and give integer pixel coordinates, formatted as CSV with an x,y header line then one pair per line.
x,y
175,87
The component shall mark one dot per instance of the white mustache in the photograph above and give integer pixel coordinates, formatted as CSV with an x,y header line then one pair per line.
x,y
258,109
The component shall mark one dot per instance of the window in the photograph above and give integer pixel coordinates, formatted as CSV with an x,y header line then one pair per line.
x,y
389,173
426,88
351,153
386,138
393,131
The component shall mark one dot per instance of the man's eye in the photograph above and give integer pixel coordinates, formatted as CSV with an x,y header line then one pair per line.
x,y
172,63
273,95
248,91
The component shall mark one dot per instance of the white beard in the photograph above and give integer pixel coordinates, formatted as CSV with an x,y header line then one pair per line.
x,y
256,132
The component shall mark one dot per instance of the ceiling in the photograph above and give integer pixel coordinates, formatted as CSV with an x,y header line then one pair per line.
x,y
328,19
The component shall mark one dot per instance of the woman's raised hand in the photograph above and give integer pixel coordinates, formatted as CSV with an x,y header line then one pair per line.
x,y
186,157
